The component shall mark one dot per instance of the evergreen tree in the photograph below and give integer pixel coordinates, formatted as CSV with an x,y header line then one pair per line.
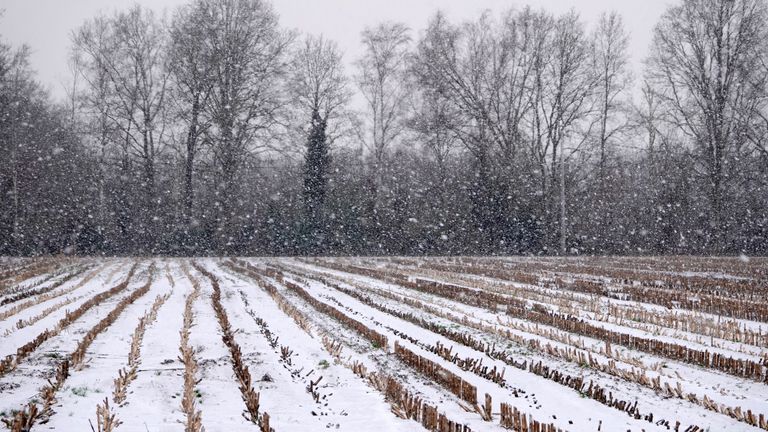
x,y
316,163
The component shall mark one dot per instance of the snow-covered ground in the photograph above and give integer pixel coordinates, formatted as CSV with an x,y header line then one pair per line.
x,y
278,310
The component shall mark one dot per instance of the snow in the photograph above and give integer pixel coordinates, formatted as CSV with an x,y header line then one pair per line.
x,y
346,401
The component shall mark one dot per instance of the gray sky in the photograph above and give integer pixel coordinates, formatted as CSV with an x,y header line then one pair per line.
x,y
46,24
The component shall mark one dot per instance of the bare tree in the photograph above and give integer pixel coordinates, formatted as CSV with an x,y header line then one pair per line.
x,y
245,104
609,125
431,120
126,55
190,62
610,42
382,81
564,85
484,70
41,184
96,99
562,98
138,72
317,83
648,118
705,66
17,90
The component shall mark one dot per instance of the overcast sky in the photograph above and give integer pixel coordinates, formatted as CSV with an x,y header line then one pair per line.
x,y
46,24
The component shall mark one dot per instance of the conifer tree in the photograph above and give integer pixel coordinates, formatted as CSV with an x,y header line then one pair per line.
x,y
316,162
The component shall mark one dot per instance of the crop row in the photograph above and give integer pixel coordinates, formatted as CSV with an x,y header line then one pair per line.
x,y
464,390
590,389
395,393
517,308
24,420
625,314
249,395
10,362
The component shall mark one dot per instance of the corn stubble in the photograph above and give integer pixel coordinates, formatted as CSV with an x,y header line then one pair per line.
x,y
106,419
403,403
250,396
194,421
11,362
127,374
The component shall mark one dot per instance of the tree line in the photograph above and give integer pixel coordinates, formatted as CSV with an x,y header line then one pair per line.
x,y
218,131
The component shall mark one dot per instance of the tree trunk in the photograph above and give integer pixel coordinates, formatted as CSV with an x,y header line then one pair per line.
x,y
189,164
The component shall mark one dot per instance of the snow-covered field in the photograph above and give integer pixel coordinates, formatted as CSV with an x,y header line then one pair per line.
x,y
384,344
